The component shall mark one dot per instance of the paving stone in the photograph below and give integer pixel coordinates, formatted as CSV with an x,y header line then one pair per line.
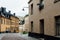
x,y
17,36
12,38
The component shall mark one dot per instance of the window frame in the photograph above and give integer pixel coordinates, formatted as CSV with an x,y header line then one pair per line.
x,y
56,24
55,1
32,9
31,26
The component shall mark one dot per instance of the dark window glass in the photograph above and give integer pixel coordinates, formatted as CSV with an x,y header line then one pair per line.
x,y
56,1
1,21
31,26
31,9
30,0
57,21
42,26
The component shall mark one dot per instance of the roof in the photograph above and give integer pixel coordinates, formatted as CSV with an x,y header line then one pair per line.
x,y
6,14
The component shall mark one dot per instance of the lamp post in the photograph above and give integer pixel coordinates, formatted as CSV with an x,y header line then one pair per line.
x,y
24,20
24,8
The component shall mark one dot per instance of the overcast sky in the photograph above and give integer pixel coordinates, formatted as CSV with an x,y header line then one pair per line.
x,y
15,6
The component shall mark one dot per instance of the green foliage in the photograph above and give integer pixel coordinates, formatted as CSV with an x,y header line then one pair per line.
x,y
22,22
24,32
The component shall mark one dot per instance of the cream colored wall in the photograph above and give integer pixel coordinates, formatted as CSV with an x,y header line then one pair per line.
x,y
21,28
50,10
35,17
27,24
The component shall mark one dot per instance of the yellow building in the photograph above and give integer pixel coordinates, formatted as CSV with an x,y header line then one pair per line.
x,y
4,24
44,18
14,24
8,22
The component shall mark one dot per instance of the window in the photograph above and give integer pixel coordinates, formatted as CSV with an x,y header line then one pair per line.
x,y
57,22
4,21
42,26
56,1
30,0
12,23
1,21
31,26
31,9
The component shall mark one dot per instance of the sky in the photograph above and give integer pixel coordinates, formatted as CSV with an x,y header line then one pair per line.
x,y
15,6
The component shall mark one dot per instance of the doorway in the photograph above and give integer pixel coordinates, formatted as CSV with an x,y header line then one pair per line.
x,y
42,26
57,23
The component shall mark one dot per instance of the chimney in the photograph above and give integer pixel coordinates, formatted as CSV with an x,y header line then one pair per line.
x,y
9,12
14,14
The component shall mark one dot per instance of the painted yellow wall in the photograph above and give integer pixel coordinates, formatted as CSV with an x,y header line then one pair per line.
x,y
7,24
16,23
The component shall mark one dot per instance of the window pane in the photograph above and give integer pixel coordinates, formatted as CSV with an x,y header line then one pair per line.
x,y
31,9
31,26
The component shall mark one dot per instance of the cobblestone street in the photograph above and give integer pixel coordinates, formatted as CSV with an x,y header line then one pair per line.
x,y
15,36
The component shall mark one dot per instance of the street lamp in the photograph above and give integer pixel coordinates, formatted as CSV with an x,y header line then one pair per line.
x,y
24,20
24,9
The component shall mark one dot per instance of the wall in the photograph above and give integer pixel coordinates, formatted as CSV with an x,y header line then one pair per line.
x,y
27,24
50,10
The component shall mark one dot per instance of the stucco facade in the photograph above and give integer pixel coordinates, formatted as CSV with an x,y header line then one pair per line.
x,y
47,14
8,22
4,24
14,24
26,24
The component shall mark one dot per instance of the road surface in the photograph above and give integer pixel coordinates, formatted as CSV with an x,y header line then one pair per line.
x,y
15,36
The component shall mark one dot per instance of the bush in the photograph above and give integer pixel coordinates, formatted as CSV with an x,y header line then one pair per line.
x,y
24,32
